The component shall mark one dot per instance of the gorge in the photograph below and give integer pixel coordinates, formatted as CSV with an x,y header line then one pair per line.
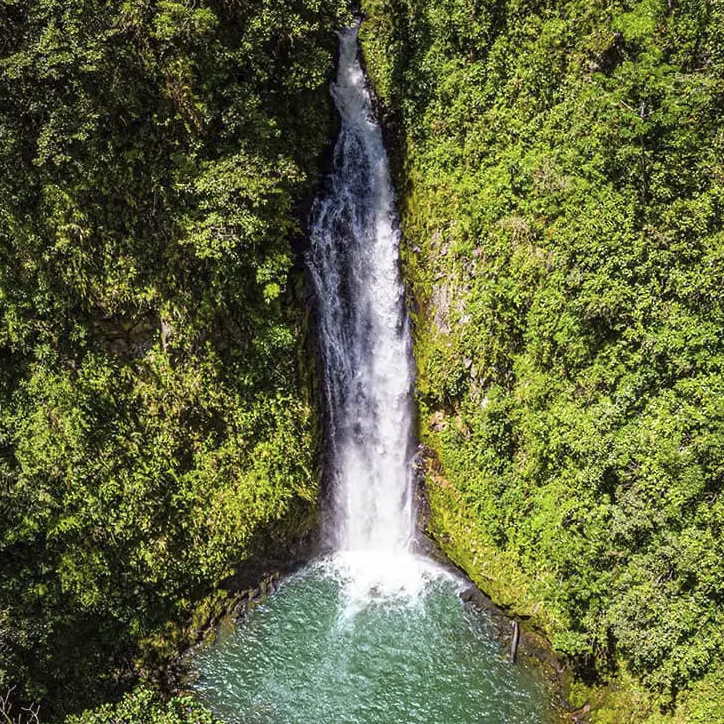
x,y
165,435
371,632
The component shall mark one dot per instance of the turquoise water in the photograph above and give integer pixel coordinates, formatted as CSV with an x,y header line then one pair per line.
x,y
322,649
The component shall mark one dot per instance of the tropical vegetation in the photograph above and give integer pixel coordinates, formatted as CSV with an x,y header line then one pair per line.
x,y
157,427
561,171
560,166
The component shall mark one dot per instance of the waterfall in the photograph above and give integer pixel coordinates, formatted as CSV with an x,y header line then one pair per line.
x,y
363,331
371,632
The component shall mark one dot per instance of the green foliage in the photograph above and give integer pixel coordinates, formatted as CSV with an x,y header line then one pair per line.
x,y
143,706
563,186
156,162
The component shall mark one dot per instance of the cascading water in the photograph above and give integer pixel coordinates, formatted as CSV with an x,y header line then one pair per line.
x,y
363,330
369,634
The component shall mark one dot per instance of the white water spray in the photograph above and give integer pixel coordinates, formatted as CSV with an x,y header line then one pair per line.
x,y
364,340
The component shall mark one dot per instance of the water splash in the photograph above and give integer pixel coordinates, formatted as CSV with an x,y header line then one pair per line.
x,y
364,338
370,578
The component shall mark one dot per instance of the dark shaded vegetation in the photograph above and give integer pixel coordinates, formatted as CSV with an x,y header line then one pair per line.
x,y
156,162
562,174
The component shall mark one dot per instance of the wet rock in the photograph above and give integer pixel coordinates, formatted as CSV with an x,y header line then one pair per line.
x,y
581,716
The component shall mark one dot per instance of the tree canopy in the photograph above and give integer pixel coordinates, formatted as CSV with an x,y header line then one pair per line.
x,y
157,160
560,166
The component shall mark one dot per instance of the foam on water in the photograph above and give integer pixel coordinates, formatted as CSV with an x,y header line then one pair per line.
x,y
384,578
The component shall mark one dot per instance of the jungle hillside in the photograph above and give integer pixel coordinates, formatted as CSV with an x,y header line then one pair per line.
x,y
560,167
157,425
560,172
